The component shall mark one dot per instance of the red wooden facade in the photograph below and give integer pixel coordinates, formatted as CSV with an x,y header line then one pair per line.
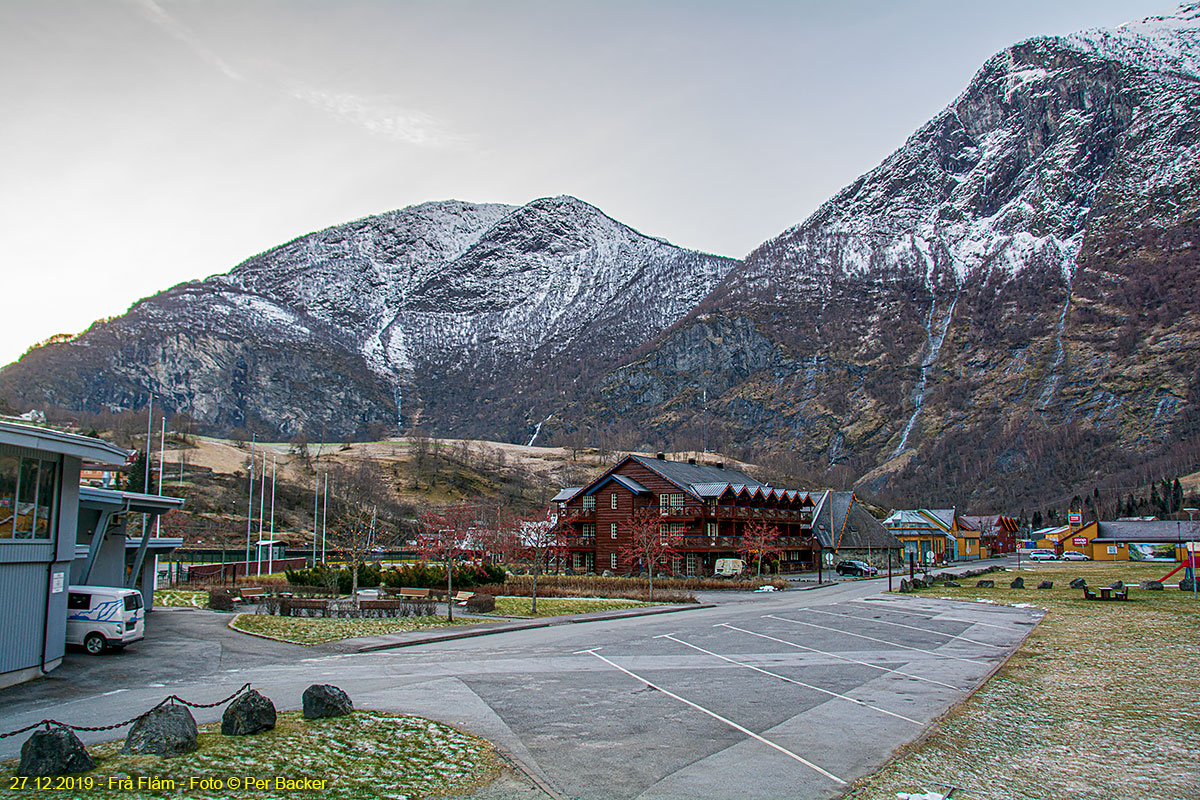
x,y
707,506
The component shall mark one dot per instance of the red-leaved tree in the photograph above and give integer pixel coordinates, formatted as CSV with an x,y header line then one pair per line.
x,y
445,536
650,545
760,539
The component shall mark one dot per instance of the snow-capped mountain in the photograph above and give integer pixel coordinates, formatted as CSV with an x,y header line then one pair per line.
x,y
468,319
1009,298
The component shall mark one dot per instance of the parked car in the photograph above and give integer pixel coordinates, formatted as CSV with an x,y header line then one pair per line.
x,y
100,617
1075,555
1042,555
861,568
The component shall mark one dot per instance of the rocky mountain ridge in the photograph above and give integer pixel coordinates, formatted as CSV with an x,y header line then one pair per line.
x,y
434,315
984,316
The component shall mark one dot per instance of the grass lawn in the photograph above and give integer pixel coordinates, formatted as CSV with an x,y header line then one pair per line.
x,y
362,755
180,598
318,630
555,606
1099,703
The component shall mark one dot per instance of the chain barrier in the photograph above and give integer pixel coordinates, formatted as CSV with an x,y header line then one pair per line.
x,y
172,699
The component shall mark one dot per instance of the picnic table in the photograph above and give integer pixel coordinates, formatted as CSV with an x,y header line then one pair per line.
x,y
1106,593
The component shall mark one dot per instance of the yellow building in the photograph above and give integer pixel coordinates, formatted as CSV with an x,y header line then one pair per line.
x,y
934,535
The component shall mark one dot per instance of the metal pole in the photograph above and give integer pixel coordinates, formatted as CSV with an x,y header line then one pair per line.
x,y
324,516
316,503
271,546
162,468
889,569
262,508
249,514
149,437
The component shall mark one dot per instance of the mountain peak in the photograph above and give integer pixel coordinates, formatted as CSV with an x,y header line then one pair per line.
x,y
1158,43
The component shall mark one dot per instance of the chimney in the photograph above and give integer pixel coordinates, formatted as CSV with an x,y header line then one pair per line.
x,y
692,461
661,456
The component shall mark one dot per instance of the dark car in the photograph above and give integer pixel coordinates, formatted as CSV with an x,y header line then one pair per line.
x,y
860,568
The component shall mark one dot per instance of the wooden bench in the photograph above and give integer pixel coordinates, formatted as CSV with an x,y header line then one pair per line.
x,y
408,592
1088,594
251,595
462,597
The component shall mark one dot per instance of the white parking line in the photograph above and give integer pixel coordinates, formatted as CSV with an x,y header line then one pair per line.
x,y
873,639
836,655
880,606
910,627
791,680
719,718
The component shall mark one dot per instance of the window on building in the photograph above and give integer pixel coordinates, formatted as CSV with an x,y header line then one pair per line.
x,y
613,500
28,487
666,501
612,530
589,502
612,560
589,530
712,528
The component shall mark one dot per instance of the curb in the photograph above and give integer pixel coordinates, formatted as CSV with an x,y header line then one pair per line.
x,y
570,619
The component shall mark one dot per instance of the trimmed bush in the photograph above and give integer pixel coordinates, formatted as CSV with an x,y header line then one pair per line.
x,y
220,599
481,603
428,576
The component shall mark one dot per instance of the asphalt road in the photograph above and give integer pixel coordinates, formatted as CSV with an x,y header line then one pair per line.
x,y
793,694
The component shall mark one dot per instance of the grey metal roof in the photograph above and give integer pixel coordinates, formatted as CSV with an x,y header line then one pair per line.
x,y
684,475
1156,531
91,497
565,494
709,489
52,441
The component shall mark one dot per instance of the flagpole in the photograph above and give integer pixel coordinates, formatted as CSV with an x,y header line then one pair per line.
x,y
250,511
271,546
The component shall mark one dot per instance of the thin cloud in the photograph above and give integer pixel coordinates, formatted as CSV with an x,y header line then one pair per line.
x,y
381,116
151,10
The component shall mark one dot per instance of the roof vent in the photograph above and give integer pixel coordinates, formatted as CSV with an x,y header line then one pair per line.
x,y
661,456
692,461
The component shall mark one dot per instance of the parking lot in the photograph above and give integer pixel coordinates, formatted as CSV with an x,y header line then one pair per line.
x,y
792,694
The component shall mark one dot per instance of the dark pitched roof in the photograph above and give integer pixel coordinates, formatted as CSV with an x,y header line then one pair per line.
x,y
628,483
1148,531
853,526
684,475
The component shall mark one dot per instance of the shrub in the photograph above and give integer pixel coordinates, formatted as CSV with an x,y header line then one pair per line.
x,y
320,576
481,603
220,599
429,576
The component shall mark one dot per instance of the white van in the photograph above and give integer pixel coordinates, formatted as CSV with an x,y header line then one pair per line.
x,y
104,616
729,567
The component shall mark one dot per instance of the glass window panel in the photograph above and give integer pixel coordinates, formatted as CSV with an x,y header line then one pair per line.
x,y
8,494
26,496
43,524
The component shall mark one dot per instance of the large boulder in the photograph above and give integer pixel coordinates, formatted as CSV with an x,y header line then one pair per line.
x,y
1152,586
250,713
1078,583
904,586
57,751
1046,585
953,584
168,730
323,700
1187,584
1017,583
985,584
1118,585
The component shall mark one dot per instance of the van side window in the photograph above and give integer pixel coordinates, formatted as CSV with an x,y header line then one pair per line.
x,y
133,602
78,601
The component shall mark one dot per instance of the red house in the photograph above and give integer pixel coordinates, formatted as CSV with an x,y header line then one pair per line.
x,y
707,505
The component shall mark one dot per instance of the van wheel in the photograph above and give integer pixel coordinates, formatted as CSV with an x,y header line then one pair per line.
x,y
94,644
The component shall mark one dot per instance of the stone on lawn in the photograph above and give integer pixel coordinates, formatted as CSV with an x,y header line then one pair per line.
x,y
1046,585
1187,584
953,583
250,713
166,731
1017,583
904,586
985,584
323,700
1078,583
1118,585
57,751
1152,586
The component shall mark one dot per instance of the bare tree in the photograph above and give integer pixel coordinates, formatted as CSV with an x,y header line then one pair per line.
x,y
540,539
650,544
359,496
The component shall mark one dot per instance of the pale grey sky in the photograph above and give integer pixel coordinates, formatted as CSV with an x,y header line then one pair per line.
x,y
148,142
